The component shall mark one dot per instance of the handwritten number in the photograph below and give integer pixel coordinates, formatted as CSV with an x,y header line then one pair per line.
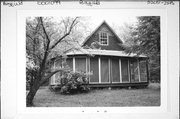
x,y
160,2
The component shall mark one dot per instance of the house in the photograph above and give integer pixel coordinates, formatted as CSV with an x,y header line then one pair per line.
x,y
109,64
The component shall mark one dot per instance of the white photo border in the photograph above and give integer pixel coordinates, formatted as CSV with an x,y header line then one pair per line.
x,y
169,107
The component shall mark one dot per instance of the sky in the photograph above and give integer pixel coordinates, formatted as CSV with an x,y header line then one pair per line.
x,y
91,22
111,20
114,21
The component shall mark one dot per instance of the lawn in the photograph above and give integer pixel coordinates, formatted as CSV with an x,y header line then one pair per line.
x,y
100,98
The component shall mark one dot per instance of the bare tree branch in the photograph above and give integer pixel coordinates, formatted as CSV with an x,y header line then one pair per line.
x,y
70,29
35,55
43,63
44,30
27,35
65,26
42,75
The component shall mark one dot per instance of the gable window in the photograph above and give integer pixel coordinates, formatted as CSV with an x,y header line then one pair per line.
x,y
103,38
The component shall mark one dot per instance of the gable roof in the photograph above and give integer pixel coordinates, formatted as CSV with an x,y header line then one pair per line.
x,y
104,22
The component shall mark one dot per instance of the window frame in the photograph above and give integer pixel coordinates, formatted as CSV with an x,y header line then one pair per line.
x,y
100,41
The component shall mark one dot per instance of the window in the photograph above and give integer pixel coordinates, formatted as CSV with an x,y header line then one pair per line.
x,y
103,38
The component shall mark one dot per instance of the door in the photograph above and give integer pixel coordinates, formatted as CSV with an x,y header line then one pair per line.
x,y
105,70
94,69
124,70
115,70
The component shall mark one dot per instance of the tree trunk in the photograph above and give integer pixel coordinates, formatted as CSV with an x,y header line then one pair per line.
x,y
31,94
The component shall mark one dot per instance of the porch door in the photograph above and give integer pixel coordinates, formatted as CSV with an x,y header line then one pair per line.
x,y
94,69
105,70
115,73
125,70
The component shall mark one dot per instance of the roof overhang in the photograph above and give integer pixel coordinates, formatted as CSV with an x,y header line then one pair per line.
x,y
98,52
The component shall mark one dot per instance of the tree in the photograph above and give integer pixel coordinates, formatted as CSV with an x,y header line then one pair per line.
x,y
145,39
42,38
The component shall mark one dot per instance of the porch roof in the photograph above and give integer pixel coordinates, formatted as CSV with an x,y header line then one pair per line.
x,y
103,53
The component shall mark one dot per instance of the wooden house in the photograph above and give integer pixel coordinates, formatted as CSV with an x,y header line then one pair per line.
x,y
109,64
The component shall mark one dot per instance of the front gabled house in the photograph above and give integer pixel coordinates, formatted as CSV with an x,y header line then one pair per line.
x,y
109,64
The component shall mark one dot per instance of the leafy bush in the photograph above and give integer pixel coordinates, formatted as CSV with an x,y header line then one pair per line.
x,y
74,82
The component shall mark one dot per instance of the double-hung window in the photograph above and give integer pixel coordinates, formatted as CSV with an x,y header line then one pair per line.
x,y
103,38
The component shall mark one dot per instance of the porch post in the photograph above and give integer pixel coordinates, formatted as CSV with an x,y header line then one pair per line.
x,y
99,60
88,67
147,69
110,70
129,71
74,68
139,71
54,74
120,74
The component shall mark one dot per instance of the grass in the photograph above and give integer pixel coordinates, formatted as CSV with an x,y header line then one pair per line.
x,y
100,98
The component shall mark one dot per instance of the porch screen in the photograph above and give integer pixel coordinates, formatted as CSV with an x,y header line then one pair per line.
x,y
134,71
80,64
69,62
94,69
143,71
115,70
124,70
104,70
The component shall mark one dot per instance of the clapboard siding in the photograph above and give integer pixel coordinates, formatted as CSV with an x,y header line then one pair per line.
x,y
113,40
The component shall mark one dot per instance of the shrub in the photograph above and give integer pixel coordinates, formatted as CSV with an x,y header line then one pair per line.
x,y
73,82
31,72
30,77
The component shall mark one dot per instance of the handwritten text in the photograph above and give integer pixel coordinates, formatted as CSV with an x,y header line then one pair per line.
x,y
13,3
50,2
89,2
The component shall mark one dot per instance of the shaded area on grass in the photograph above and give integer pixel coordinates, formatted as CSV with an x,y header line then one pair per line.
x,y
99,98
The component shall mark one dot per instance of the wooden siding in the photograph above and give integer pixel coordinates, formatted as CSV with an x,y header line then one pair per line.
x,y
140,84
113,40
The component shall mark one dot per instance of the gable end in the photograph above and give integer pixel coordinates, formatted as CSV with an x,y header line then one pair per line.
x,y
105,36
